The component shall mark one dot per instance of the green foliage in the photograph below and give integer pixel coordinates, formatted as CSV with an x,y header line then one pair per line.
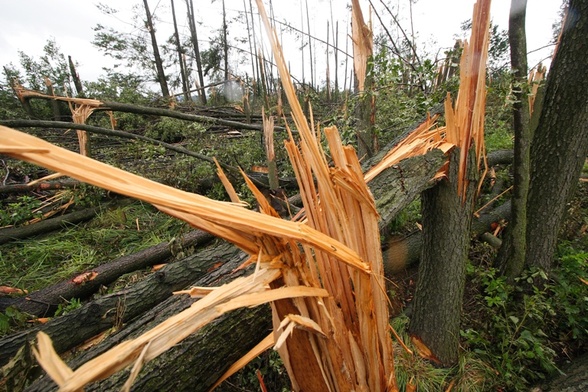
x,y
68,306
171,130
516,325
11,318
23,209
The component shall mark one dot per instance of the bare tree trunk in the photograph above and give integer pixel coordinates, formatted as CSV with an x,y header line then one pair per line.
x,y
158,63
310,46
183,74
251,35
560,142
257,78
511,257
194,36
225,43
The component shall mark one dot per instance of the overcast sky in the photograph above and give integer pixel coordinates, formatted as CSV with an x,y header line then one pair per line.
x,y
27,24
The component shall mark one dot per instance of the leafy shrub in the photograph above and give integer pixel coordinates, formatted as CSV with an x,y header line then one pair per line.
x,y
520,326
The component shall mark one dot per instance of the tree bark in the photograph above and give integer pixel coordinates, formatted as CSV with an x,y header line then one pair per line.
x,y
38,187
438,298
113,310
43,303
512,254
161,79
560,142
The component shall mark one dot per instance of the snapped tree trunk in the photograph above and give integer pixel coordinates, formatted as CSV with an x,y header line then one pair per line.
x,y
75,77
438,298
156,56
560,142
395,188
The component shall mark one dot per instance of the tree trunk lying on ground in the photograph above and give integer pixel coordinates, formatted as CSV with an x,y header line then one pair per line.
x,y
43,303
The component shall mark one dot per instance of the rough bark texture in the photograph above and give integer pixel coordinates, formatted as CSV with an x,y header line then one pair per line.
x,y
439,292
560,143
43,303
511,256
113,310
195,363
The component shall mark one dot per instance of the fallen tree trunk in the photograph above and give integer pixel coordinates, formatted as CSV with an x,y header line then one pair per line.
x,y
48,225
43,303
195,363
113,310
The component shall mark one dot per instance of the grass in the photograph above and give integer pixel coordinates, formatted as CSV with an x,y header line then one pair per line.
x,y
469,375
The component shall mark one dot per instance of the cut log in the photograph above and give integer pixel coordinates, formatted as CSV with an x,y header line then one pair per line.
x,y
43,303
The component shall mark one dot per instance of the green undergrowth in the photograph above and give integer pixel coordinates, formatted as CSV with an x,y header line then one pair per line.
x,y
513,336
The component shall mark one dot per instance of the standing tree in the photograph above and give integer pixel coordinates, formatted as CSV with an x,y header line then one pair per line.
x,y
181,58
158,63
560,141
512,253
194,36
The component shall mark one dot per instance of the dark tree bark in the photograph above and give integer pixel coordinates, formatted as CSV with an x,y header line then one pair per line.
x,y
183,74
38,187
156,56
560,142
194,36
438,298
511,257
113,310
